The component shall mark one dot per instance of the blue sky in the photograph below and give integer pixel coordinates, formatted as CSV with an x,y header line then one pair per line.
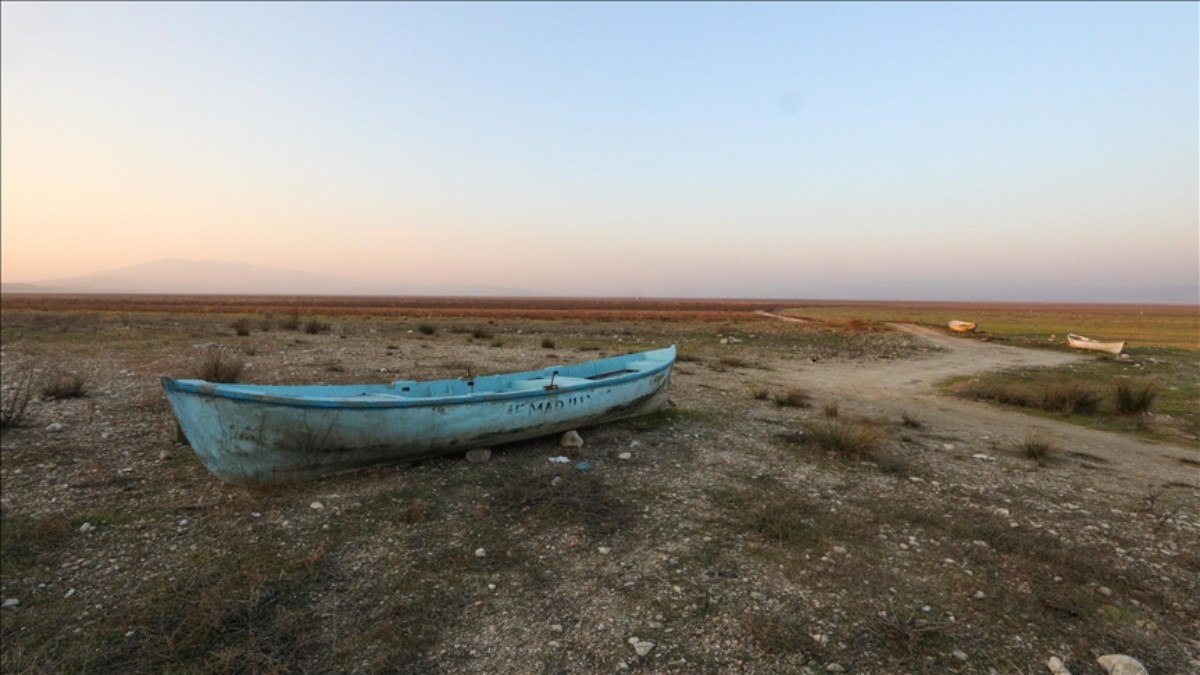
x,y
892,151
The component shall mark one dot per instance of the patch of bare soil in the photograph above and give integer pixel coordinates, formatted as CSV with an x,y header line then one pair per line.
x,y
876,526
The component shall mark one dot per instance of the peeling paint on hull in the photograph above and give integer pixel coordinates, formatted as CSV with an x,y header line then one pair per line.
x,y
260,435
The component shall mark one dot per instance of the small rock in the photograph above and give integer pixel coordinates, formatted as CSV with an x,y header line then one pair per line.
x,y
604,550
1057,667
756,595
479,455
835,667
1105,590
960,654
643,647
164,455
480,553
625,455
1120,664
86,527
183,523
70,592
130,634
316,505
10,603
571,439
557,628
979,595
561,459
55,427
634,443
583,466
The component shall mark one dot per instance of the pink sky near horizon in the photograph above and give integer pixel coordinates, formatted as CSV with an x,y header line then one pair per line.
x,y
133,134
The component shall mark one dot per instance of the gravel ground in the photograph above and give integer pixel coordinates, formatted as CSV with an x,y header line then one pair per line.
x,y
720,535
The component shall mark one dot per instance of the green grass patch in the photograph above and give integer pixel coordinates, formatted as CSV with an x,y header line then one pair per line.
x,y
1103,393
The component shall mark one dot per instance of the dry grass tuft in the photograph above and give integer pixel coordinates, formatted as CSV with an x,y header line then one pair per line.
x,y
792,398
547,343
313,327
241,326
217,366
845,438
1038,448
1134,396
830,410
15,400
64,385
760,393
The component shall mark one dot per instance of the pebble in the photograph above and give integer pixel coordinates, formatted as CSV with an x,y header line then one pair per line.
x,y
625,455
979,595
960,654
1120,664
642,647
604,550
479,455
55,427
480,553
316,505
1057,667
634,443
835,667
557,628
10,603
86,527
1105,590
571,439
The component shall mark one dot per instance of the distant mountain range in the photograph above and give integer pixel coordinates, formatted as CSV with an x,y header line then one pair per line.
x,y
209,277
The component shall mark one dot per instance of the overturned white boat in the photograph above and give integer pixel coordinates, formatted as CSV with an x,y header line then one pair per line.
x,y
962,326
1081,342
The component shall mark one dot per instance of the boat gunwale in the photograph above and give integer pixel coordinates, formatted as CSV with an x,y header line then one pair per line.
x,y
204,388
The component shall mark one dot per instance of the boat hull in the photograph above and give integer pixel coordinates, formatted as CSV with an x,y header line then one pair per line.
x,y
256,440
962,326
1080,342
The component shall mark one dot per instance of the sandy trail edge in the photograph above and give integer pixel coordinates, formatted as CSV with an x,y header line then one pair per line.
x,y
906,386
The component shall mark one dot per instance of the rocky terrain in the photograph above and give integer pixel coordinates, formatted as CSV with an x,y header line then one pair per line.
x,y
736,531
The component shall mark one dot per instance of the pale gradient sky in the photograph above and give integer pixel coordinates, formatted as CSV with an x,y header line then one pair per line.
x,y
922,151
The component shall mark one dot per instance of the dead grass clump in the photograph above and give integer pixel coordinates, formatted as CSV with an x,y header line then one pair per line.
x,y
567,497
780,632
415,511
911,422
734,362
776,513
760,393
1134,396
1068,396
15,400
292,321
846,439
547,343
792,398
64,385
241,326
830,410
313,327
217,366
481,333
1038,448
427,329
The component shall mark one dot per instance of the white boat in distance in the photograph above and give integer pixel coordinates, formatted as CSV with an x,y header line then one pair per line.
x,y
962,326
1081,342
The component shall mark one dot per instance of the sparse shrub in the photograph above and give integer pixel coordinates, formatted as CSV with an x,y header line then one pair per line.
x,y
415,511
292,321
761,393
497,342
830,410
314,326
241,326
1038,448
265,326
1135,396
62,385
217,366
481,333
15,400
427,329
892,462
792,398
846,439
1066,396
911,422
547,343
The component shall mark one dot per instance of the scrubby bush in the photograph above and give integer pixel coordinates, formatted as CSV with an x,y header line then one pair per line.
x,y
241,326
792,398
547,343
1038,448
846,439
313,326
15,399
1070,397
427,329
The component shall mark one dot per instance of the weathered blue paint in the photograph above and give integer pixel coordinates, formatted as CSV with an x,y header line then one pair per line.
x,y
254,434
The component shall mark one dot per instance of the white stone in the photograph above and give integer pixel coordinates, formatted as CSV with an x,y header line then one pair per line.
x,y
643,648
979,595
479,455
316,505
55,427
634,443
480,553
1057,667
10,603
835,667
604,550
1120,664
625,455
959,654
86,527
571,439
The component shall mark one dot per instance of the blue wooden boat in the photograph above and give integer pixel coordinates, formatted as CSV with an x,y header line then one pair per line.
x,y
250,434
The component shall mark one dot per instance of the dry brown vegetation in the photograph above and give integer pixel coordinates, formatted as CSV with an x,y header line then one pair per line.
x,y
738,535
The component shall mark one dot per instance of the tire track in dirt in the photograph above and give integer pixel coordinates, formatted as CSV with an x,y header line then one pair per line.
x,y
907,386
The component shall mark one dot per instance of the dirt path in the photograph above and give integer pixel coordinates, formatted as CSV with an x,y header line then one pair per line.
x,y
907,387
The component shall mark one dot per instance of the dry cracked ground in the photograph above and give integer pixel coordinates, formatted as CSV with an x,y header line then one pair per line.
x,y
808,504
